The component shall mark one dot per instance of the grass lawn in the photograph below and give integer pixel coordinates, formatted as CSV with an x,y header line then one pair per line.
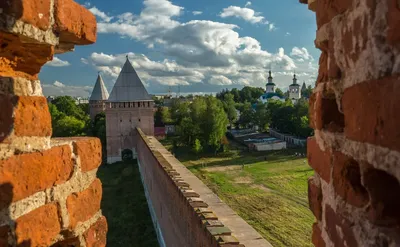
x,y
125,207
270,193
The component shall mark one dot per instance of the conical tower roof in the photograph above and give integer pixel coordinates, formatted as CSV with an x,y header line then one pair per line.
x,y
128,86
99,91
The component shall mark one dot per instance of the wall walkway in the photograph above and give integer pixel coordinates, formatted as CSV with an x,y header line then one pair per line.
x,y
187,211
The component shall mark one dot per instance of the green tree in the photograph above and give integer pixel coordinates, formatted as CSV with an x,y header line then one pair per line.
x,y
197,148
229,106
66,104
68,126
165,115
279,92
261,116
179,110
246,118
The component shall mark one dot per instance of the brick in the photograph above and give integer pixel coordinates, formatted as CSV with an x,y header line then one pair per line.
x,y
82,206
346,178
96,235
34,12
89,151
315,198
327,9
6,115
29,234
4,233
384,191
324,113
319,160
33,172
393,22
339,229
323,68
71,242
371,112
316,238
21,59
32,117
74,23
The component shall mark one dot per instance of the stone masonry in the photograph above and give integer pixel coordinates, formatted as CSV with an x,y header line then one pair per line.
x,y
49,193
354,109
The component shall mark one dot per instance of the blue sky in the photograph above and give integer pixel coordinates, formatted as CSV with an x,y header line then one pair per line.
x,y
198,46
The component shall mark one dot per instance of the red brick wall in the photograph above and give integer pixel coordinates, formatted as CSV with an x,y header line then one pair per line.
x,y
185,220
49,194
355,192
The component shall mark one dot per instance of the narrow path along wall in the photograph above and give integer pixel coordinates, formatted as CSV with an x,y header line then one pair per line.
x,y
186,211
354,109
49,193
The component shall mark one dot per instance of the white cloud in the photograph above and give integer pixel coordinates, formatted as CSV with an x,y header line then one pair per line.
x,y
301,53
247,4
197,12
288,34
219,80
244,13
271,27
56,62
60,89
84,61
198,51
100,14
58,84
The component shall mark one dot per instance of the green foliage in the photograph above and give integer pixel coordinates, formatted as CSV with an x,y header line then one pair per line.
x,y
68,126
68,119
229,106
204,120
279,92
247,115
262,117
197,148
306,91
250,94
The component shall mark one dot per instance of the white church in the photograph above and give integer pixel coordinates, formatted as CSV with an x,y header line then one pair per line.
x,y
270,94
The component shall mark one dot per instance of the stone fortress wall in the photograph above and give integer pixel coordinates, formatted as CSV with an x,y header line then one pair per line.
x,y
355,192
49,193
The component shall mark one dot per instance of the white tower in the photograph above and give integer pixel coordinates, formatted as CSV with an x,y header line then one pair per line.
x,y
294,90
129,106
270,86
97,101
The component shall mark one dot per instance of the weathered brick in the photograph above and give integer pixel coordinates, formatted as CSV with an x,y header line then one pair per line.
x,y
71,242
39,227
33,172
339,229
32,117
96,235
319,160
315,198
32,12
4,233
22,59
327,9
323,68
6,115
347,180
324,113
384,191
371,112
316,238
89,151
83,205
393,19
74,23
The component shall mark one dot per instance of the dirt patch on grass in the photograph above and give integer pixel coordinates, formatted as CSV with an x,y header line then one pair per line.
x,y
261,187
243,180
222,168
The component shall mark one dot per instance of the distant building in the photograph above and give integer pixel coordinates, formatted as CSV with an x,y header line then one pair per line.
x,y
97,101
270,91
50,99
294,90
129,106
80,100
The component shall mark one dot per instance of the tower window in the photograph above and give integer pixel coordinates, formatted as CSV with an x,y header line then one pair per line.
x,y
139,119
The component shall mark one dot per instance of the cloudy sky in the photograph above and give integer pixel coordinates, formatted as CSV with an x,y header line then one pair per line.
x,y
191,46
